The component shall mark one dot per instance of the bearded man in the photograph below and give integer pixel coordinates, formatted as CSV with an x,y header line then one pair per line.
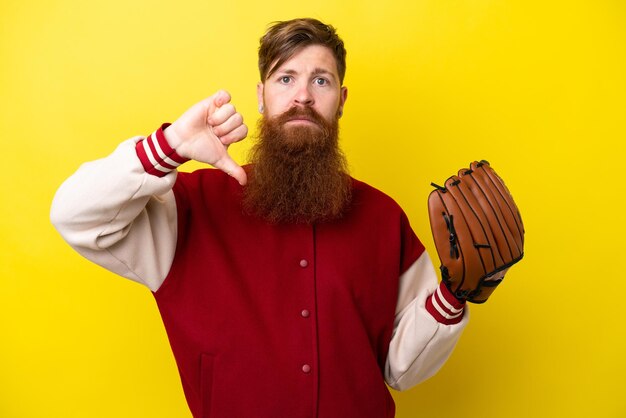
x,y
294,291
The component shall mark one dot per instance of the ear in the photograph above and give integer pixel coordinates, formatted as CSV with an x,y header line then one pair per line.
x,y
259,96
343,96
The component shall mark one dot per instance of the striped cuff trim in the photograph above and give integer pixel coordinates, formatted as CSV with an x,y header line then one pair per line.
x,y
444,307
156,155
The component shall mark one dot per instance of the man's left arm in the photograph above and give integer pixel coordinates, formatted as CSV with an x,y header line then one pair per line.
x,y
428,323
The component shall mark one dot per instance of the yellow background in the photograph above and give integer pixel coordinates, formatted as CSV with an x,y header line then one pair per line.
x,y
536,87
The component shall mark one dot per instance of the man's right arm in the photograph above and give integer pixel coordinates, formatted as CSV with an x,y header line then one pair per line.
x,y
120,211
118,215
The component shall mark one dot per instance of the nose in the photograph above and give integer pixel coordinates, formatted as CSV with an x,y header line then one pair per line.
x,y
303,96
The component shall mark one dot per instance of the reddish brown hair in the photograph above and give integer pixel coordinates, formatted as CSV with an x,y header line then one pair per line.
x,y
284,39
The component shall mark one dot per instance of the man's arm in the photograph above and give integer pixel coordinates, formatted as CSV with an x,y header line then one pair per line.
x,y
120,212
117,215
429,321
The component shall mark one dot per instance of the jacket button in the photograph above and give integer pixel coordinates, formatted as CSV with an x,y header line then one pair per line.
x,y
306,368
303,263
305,313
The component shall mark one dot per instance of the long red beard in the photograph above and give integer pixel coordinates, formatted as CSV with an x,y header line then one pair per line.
x,y
298,174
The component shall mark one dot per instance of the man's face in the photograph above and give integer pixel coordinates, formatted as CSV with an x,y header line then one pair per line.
x,y
308,79
298,171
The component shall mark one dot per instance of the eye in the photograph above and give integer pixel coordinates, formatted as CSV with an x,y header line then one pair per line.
x,y
285,79
321,81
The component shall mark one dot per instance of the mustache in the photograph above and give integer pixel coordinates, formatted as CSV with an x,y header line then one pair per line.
x,y
304,112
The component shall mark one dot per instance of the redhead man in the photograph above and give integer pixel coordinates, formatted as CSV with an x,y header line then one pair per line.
x,y
287,288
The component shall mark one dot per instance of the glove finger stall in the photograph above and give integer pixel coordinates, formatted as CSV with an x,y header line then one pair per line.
x,y
509,208
482,240
491,204
461,261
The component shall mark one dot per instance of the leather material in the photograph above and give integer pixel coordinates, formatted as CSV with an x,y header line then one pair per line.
x,y
477,229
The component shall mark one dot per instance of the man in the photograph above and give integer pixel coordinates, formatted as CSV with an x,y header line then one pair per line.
x,y
294,291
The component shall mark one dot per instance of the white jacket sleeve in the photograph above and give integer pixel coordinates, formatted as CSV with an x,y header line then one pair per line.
x,y
428,324
119,216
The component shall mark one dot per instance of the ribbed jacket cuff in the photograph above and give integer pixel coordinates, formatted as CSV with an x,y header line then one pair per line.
x,y
444,307
156,155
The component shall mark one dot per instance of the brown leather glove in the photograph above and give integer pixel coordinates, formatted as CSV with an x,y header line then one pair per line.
x,y
477,230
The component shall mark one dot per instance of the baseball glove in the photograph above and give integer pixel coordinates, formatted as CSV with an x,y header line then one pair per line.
x,y
477,230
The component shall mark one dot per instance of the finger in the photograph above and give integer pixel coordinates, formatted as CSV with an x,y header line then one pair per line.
x,y
219,99
229,125
235,135
230,167
498,276
221,114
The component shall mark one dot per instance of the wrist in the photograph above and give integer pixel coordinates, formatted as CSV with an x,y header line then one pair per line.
x,y
158,157
444,306
171,136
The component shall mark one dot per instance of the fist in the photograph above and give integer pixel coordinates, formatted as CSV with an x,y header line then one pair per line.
x,y
204,132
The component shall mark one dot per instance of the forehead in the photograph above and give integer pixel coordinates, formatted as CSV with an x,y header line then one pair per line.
x,y
311,59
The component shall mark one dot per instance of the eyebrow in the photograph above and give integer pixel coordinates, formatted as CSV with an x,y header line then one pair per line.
x,y
316,71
